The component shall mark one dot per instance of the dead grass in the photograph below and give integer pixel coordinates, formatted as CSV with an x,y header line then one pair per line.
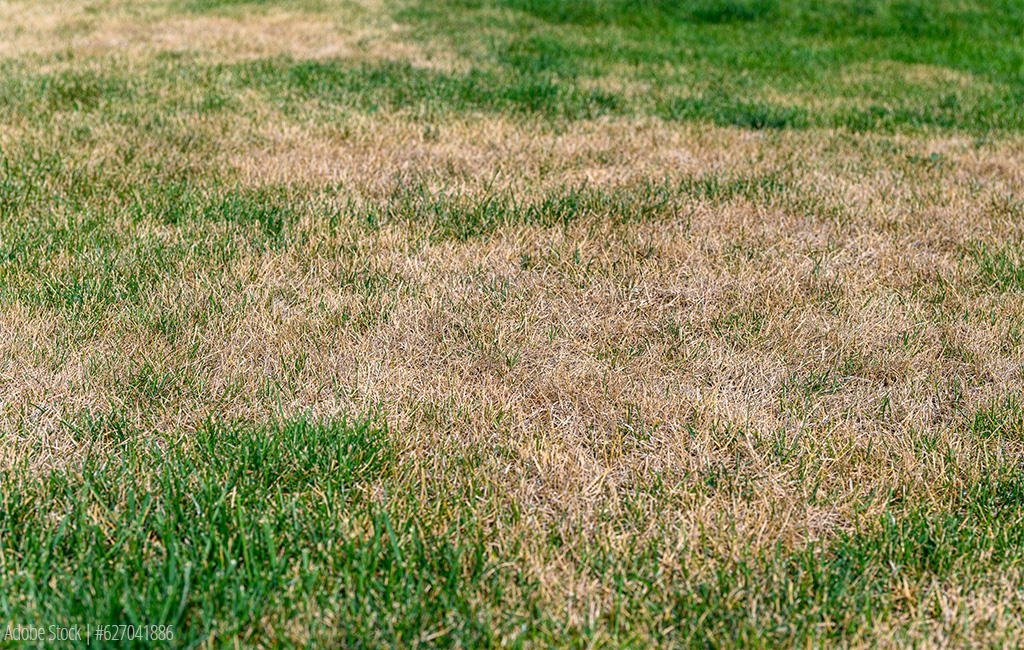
x,y
685,347
348,29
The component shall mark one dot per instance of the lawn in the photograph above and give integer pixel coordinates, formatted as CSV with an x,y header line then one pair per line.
x,y
513,323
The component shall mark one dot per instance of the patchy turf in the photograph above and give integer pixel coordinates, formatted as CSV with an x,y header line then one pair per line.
x,y
513,323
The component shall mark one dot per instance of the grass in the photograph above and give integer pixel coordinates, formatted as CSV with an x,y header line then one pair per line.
x,y
998,266
677,324
765,64
246,528
259,533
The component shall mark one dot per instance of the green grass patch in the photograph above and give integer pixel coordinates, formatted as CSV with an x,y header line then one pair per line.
x,y
999,418
241,535
646,13
999,267
392,86
83,237
249,6
863,65
730,111
447,214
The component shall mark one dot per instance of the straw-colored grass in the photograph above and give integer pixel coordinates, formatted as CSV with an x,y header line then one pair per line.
x,y
588,338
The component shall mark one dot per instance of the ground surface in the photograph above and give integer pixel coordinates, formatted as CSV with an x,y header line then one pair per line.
x,y
514,322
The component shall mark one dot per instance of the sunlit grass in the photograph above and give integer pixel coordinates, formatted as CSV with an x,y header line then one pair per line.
x,y
513,323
